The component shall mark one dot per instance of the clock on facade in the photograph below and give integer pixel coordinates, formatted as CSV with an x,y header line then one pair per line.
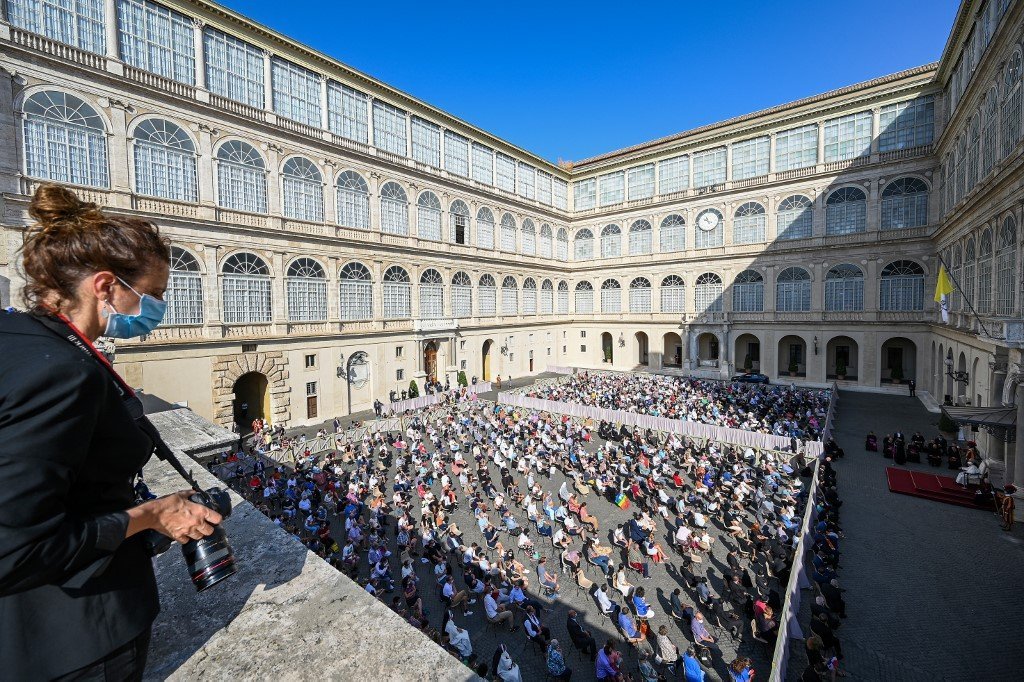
x,y
707,221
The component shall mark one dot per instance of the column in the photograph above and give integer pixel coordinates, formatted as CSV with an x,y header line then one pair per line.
x,y
111,38
197,44
120,178
268,87
205,165
821,142
771,152
369,120
875,131
1016,472
330,195
324,122
874,217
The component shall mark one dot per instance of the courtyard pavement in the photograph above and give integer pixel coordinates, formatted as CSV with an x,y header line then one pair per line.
x,y
934,590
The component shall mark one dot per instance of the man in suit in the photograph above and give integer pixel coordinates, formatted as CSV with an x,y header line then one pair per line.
x,y
580,636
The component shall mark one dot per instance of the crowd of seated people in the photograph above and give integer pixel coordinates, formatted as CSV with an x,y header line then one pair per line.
x,y
824,649
381,507
779,410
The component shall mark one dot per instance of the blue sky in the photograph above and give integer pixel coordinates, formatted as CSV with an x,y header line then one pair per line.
x,y
569,80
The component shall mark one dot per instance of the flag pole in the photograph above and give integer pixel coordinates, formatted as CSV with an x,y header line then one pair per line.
x,y
966,297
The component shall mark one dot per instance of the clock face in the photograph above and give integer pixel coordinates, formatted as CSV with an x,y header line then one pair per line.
x,y
708,221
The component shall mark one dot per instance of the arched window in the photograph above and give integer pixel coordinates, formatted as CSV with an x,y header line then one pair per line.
x,y
394,209
611,241
793,290
397,293
844,288
353,201
458,229
673,294
79,24
65,140
302,190
529,238
547,297
356,289
673,233
509,296
707,293
748,224
485,228
990,134
956,300
846,211
306,285
428,216
611,296
985,272
584,298
530,296
562,246
902,286
488,295
795,217
640,238
640,295
241,178
462,295
584,245
970,270
1006,267
546,240
245,289
184,293
431,295
748,292
904,204
562,301
508,233
1010,130
710,229
165,161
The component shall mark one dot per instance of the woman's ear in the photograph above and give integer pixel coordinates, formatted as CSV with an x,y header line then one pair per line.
x,y
100,285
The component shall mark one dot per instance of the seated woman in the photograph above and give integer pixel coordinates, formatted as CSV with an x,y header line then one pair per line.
x,y
524,542
560,539
637,560
587,519
654,551
620,583
598,555
573,504
619,537
640,605
571,526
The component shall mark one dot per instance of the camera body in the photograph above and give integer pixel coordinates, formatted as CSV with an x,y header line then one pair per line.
x,y
210,559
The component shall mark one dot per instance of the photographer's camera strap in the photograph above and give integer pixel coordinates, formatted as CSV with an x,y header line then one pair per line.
x,y
63,327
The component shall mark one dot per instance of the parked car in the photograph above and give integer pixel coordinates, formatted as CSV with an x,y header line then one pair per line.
x,y
751,378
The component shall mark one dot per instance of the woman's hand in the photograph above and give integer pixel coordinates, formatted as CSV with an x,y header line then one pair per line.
x,y
175,516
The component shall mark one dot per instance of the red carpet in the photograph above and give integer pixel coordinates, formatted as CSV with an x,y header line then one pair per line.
x,y
928,486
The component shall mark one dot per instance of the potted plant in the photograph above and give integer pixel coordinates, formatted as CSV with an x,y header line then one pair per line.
x,y
840,370
896,374
607,355
460,379
793,368
748,365
414,389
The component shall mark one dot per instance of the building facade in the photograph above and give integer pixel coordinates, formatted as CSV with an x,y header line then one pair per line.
x,y
335,239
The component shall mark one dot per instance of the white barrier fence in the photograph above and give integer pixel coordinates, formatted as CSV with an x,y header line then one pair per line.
x,y
400,406
789,618
763,441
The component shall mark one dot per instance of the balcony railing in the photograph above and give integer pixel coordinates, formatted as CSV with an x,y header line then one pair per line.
x,y
57,49
159,82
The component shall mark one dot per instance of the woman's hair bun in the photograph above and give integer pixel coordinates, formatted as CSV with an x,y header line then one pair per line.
x,y
55,204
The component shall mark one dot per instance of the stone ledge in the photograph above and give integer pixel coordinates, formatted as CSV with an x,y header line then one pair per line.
x,y
286,614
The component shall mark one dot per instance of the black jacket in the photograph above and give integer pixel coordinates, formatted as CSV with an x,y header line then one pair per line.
x,y
72,589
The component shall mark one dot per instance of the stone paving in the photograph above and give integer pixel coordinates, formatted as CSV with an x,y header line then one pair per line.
x,y
934,590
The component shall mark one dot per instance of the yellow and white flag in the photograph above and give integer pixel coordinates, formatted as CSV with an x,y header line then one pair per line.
x,y
943,288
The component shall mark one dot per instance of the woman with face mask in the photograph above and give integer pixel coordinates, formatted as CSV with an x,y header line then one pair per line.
x,y
77,590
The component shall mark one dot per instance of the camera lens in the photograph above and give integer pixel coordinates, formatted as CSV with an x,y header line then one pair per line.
x,y
209,560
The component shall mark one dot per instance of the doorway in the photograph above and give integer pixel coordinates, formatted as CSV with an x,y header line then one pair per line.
x,y
607,352
430,360
486,369
251,401
642,348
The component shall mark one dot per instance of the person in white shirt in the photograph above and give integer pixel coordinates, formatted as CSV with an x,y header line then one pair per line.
x,y
458,638
498,613
603,602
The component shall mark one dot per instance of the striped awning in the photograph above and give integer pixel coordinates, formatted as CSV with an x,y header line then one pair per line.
x,y
1002,417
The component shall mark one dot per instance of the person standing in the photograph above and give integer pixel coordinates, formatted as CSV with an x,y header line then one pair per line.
x,y
912,387
377,407
77,591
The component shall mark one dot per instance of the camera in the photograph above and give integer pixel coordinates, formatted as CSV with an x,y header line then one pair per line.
x,y
210,559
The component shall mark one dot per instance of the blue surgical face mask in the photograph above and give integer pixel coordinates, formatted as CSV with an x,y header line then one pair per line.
x,y
121,326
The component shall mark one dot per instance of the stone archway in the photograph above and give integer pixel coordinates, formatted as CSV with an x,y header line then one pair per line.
x,y
748,352
709,350
607,348
228,369
792,356
898,360
642,348
842,359
672,350
486,360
